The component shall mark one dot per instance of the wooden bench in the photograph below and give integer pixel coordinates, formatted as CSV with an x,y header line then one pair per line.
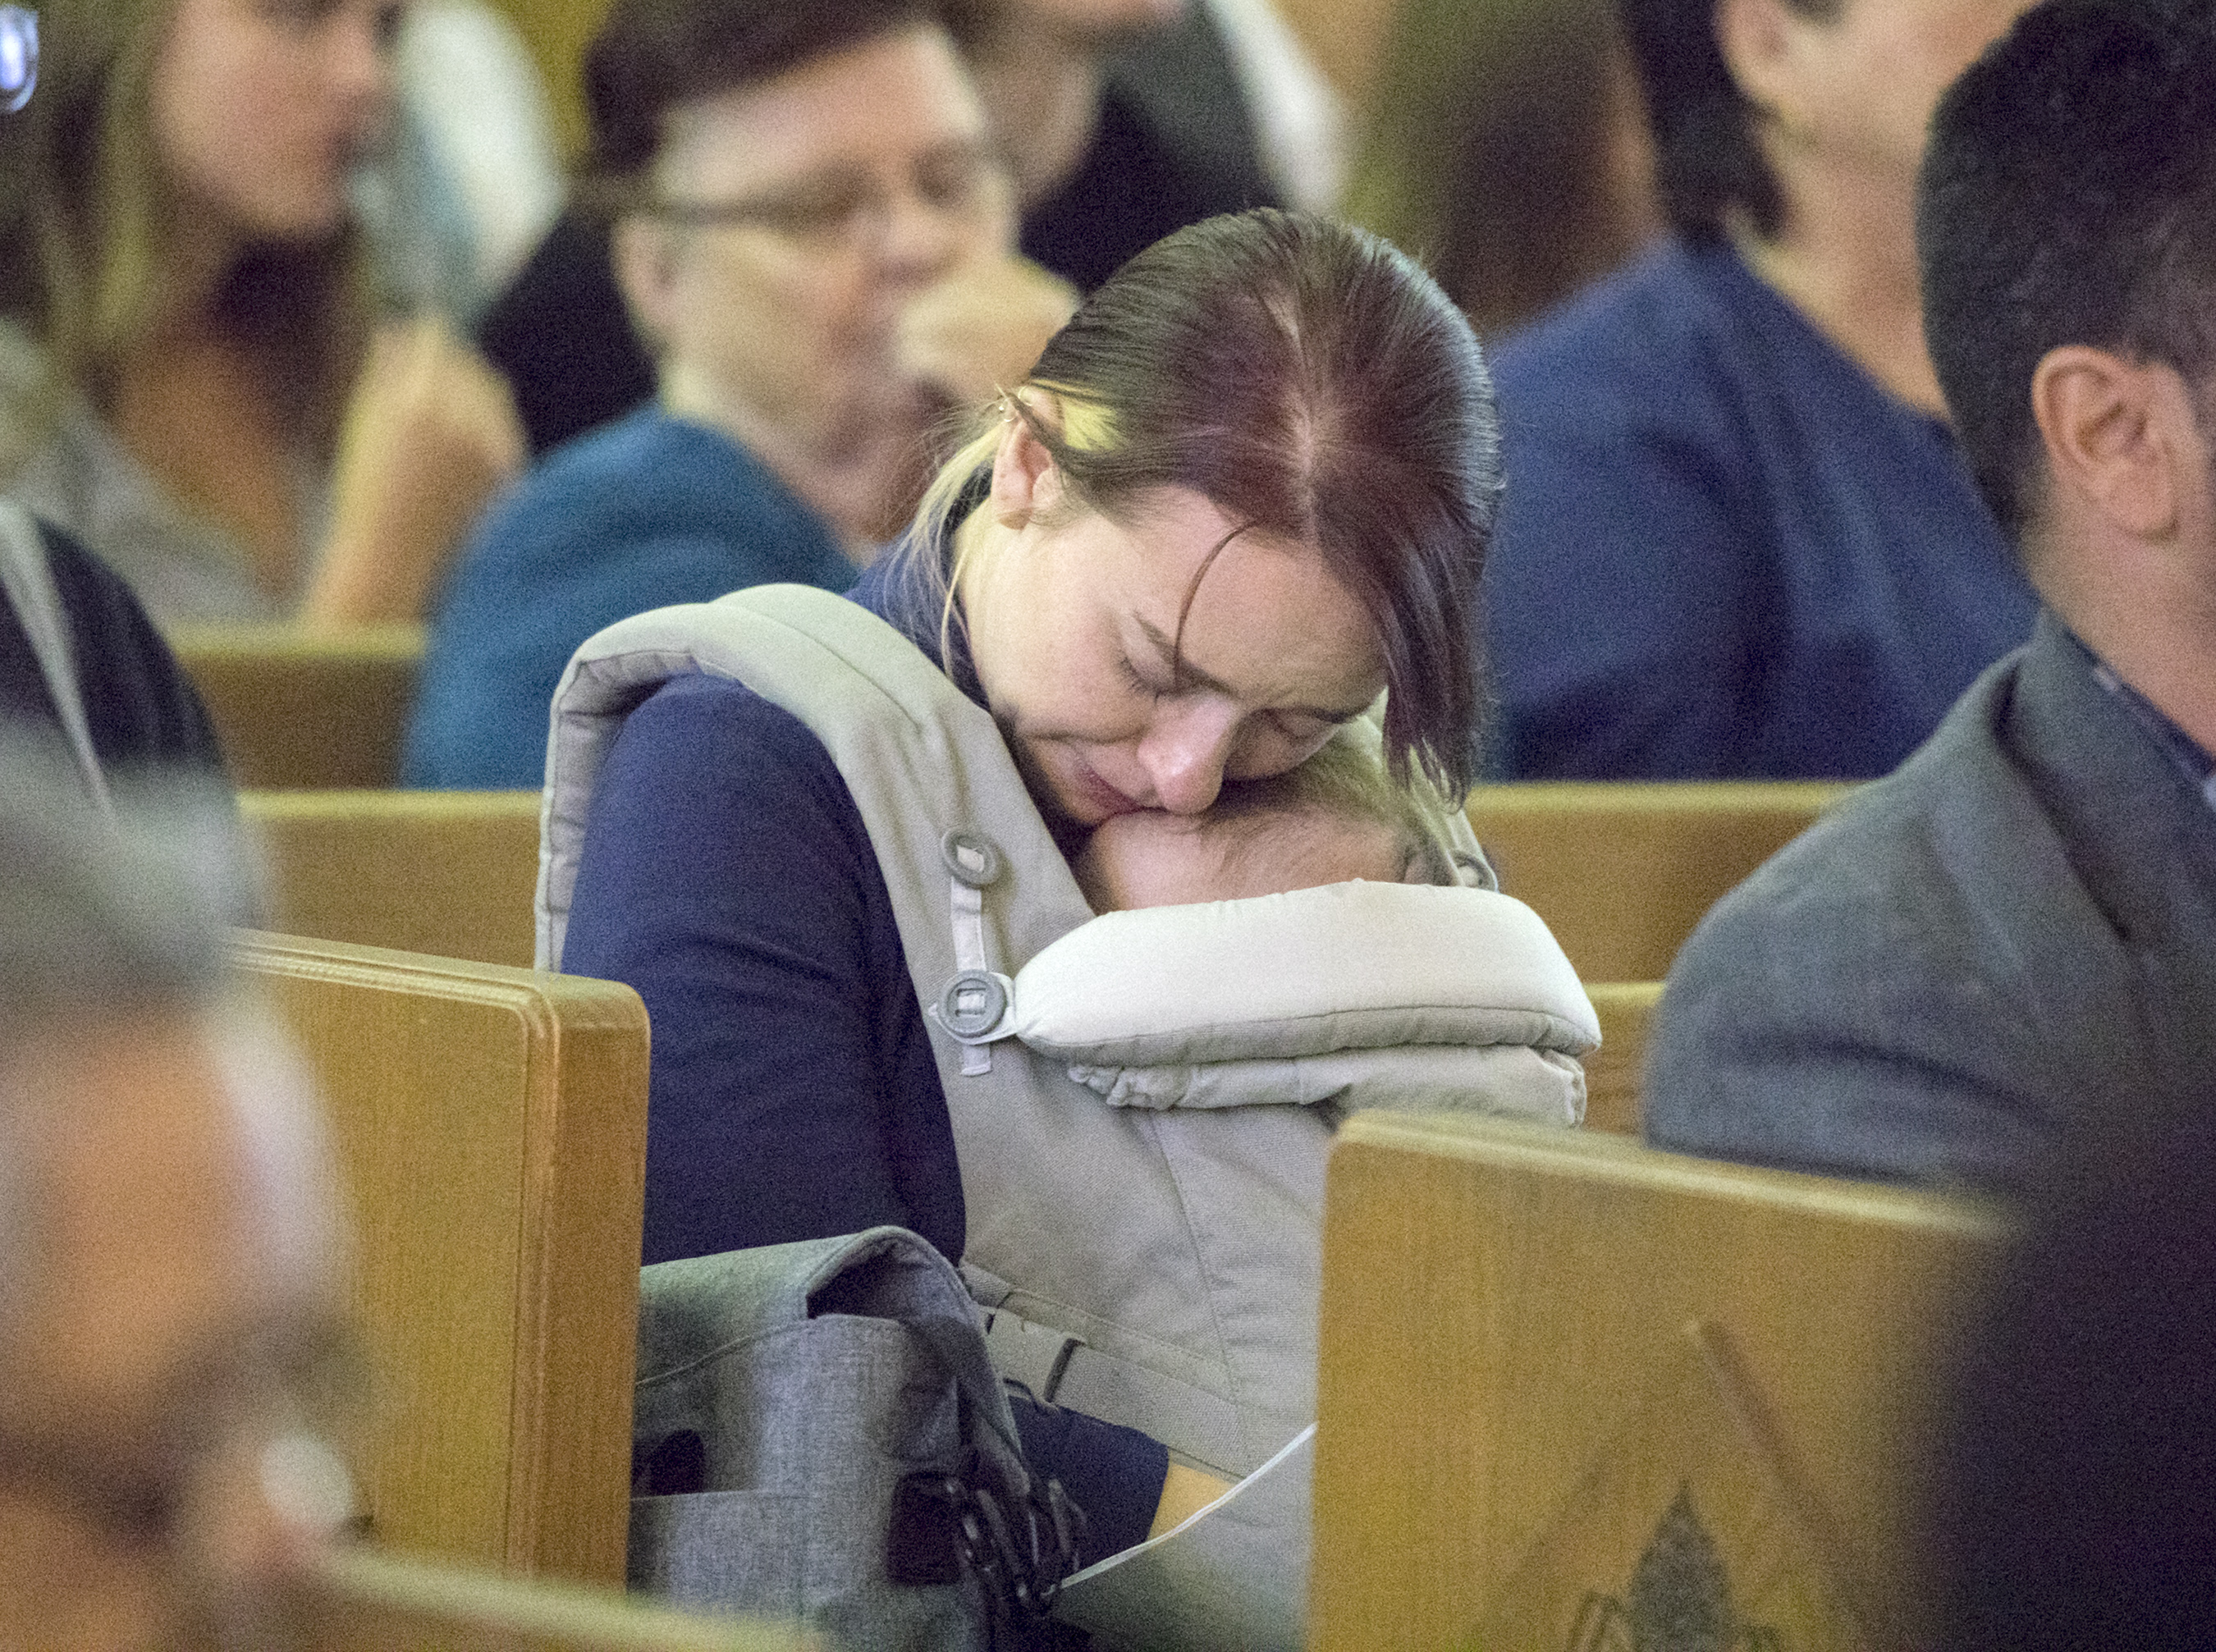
x,y
452,874
362,1601
1566,1381
490,1125
1623,873
297,709
1615,1071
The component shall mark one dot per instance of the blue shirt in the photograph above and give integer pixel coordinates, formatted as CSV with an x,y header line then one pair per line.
x,y
2195,766
648,511
1725,550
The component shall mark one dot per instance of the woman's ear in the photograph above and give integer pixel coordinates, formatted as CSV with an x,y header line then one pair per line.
x,y
1025,483
2116,434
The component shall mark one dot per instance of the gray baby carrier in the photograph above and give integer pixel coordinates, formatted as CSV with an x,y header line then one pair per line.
x,y
1153,1267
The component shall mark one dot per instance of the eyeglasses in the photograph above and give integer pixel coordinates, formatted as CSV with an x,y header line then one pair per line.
x,y
844,209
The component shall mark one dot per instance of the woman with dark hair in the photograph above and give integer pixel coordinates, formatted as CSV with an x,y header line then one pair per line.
x,y
190,383
1247,490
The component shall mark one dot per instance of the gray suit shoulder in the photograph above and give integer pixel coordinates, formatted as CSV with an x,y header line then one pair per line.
x,y
1895,993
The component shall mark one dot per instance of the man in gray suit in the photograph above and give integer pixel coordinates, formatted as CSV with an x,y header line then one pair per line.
x,y
2020,924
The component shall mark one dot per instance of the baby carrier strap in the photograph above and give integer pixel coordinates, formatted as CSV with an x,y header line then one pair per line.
x,y
1077,1219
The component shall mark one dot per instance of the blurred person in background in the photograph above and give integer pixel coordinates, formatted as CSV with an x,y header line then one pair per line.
x,y
1506,147
2019,926
1738,540
812,228
80,660
473,175
168,1270
190,380
1119,119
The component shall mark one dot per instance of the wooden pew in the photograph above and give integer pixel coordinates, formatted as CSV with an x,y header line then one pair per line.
x,y
490,1125
363,1601
294,709
1622,873
1614,1073
1551,1360
452,874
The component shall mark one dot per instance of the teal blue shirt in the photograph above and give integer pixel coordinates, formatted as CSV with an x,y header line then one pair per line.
x,y
639,514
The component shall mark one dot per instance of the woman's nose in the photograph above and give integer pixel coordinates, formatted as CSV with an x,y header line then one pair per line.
x,y
1183,751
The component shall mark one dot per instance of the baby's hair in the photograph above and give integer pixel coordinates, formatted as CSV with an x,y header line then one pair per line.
x,y
1347,780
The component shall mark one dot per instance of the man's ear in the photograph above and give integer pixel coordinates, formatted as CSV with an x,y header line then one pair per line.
x,y
1025,483
643,254
2116,434
1756,39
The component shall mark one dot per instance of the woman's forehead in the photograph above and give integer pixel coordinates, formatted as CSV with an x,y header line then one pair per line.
x,y
1244,610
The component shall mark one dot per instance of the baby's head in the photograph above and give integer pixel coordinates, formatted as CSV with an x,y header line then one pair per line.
x,y
1337,816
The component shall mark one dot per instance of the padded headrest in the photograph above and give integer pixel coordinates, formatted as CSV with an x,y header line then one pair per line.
x,y
1362,992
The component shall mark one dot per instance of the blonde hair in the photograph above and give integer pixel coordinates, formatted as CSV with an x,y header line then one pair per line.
x,y
1344,781
85,221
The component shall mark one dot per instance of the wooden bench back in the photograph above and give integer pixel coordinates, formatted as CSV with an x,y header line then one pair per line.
x,y
1623,873
491,1124
362,1601
1614,1072
1567,1382
297,710
452,874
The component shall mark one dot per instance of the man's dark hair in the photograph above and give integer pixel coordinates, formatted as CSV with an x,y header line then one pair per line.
x,y
2068,196
652,55
1706,162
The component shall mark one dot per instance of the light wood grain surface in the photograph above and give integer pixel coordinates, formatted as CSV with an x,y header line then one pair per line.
x,y
1613,1072
298,710
452,874
1534,1341
365,1600
1622,873
490,1125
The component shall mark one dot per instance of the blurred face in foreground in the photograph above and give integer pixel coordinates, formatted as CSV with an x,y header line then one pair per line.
x,y
173,1287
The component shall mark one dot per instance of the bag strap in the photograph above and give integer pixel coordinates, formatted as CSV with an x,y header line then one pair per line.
x,y
1015,1535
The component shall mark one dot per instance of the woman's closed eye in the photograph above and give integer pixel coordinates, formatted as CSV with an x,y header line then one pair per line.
x,y
1140,683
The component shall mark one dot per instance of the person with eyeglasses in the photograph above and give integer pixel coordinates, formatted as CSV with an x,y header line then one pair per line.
x,y
171,1338
812,228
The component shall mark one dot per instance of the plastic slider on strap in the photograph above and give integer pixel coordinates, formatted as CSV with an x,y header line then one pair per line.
x,y
974,862
976,1007
973,859
1035,1355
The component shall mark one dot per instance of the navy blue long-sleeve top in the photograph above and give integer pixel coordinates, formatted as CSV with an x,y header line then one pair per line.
x,y
1725,549
728,877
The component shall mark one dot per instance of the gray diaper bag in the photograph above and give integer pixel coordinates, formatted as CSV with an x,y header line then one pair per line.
x,y
820,1437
